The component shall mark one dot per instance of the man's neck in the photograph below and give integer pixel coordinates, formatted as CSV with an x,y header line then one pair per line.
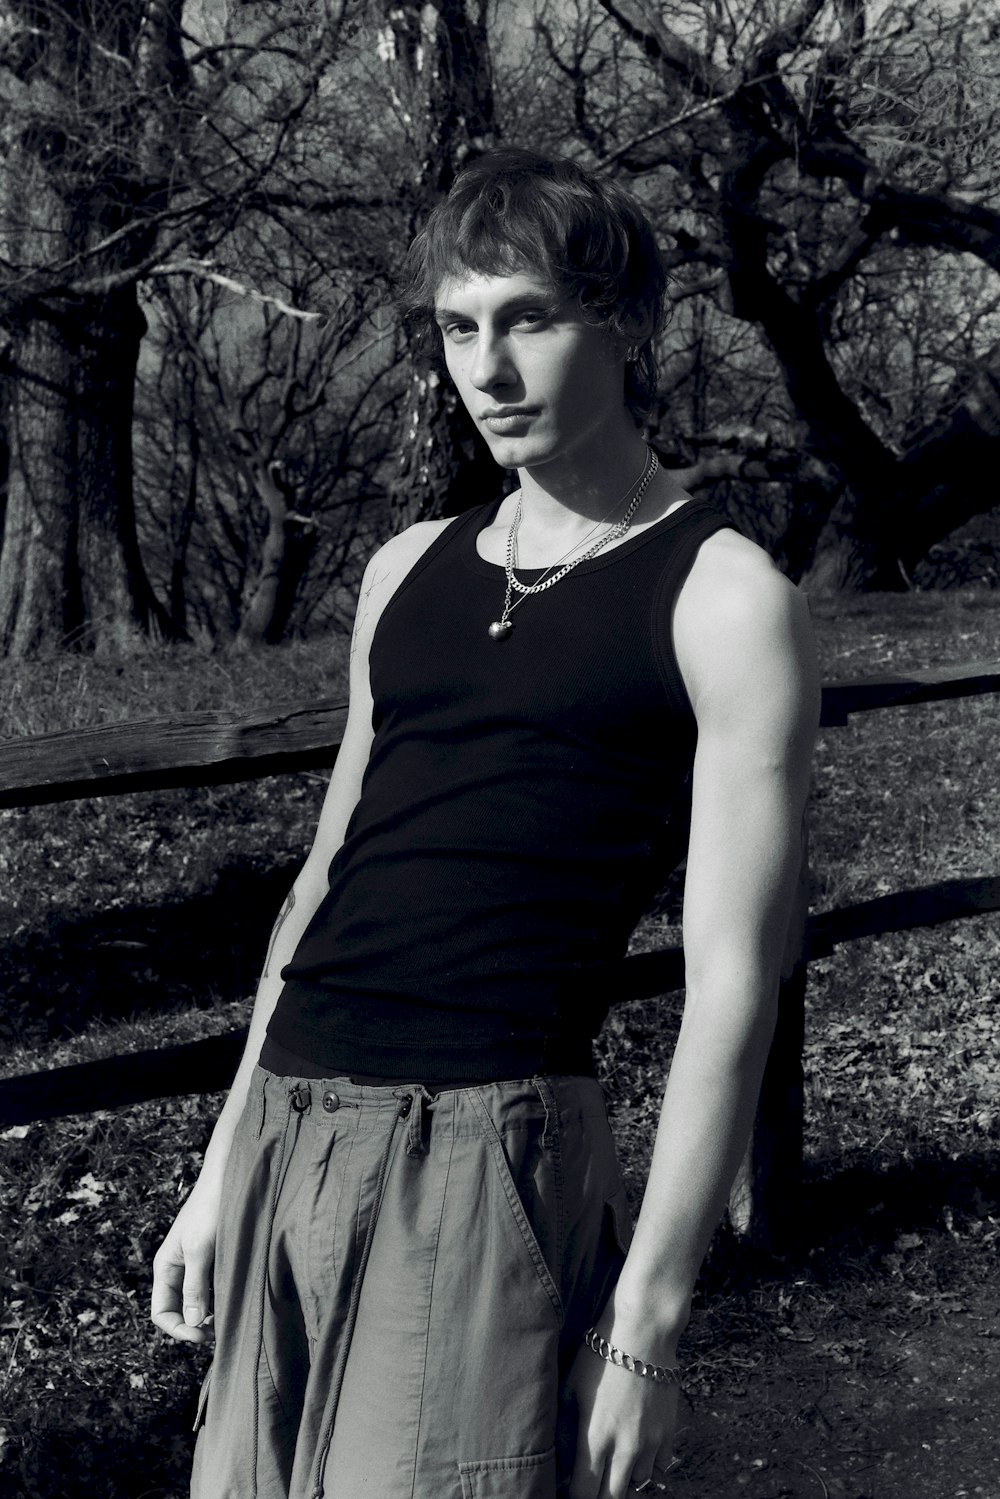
x,y
581,488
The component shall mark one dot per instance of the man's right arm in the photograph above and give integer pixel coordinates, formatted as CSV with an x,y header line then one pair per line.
x,y
182,1267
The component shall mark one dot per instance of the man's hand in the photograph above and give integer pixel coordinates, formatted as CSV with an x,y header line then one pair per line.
x,y
625,1429
182,1269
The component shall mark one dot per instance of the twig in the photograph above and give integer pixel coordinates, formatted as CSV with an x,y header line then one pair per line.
x,y
818,1476
207,272
681,119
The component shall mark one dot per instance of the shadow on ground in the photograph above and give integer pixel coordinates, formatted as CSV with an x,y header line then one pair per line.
x,y
101,1449
112,965
866,1363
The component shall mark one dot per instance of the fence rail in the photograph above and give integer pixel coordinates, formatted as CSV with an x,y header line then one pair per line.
x,y
157,754
216,748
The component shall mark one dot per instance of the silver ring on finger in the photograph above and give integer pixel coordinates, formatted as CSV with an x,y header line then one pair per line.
x,y
652,1485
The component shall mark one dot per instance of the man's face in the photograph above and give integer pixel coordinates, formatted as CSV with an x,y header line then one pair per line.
x,y
539,381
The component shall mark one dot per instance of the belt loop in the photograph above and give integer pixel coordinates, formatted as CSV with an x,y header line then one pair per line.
x,y
416,1093
544,1090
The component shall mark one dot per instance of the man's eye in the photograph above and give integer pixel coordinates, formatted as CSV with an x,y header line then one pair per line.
x,y
532,316
456,331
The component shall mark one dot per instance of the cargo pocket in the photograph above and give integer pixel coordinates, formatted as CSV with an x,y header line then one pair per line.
x,y
532,1477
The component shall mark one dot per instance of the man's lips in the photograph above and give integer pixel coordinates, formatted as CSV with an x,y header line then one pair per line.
x,y
506,418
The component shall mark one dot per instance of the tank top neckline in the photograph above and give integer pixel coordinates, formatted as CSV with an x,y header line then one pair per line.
x,y
659,527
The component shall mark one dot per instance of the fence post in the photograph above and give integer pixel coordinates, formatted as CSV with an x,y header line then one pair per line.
x,y
764,1202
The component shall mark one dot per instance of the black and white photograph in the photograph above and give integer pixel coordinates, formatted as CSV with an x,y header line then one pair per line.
x,y
499,827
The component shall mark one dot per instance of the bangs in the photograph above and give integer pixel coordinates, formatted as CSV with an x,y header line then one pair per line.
x,y
513,211
488,238
518,224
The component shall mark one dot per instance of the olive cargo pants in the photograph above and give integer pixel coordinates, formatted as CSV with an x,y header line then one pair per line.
x,y
401,1281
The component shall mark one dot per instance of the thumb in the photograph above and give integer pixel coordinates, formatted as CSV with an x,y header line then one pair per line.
x,y
196,1296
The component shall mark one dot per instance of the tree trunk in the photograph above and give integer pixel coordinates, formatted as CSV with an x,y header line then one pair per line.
x,y
39,533
440,64
70,568
852,556
284,556
182,533
444,466
108,582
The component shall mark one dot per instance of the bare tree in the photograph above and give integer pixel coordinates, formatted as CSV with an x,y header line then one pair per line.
x,y
260,443
130,141
438,71
814,162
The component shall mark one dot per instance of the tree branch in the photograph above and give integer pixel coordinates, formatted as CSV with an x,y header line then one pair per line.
x,y
785,37
685,115
205,271
753,463
919,217
675,57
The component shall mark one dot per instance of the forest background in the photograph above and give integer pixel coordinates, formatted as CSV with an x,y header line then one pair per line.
x,y
209,414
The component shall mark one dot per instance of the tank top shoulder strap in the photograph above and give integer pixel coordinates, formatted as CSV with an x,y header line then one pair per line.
x,y
457,532
695,524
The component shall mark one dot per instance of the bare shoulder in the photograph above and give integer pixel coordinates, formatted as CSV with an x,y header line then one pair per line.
x,y
388,566
743,635
394,558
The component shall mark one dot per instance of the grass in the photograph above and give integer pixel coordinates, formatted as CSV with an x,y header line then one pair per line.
x,y
133,921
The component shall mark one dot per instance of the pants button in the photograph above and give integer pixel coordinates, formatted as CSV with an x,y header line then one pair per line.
x,y
331,1102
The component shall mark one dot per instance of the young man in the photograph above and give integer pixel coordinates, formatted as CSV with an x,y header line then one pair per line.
x,y
423,1282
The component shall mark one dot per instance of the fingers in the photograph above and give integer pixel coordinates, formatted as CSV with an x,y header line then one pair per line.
x,y
655,1481
617,1474
181,1300
619,1464
624,1431
620,1479
588,1477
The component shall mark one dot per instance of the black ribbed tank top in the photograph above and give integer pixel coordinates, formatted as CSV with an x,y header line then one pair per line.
x,y
514,820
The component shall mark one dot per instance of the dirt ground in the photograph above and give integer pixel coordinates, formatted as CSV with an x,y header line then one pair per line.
x,y
882,1383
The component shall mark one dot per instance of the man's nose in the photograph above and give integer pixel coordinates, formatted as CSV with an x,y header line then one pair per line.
x,y
491,363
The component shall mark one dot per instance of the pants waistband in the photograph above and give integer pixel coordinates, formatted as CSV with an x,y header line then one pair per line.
x,y
337,1102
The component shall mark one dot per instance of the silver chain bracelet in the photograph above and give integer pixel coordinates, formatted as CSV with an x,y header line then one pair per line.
x,y
612,1355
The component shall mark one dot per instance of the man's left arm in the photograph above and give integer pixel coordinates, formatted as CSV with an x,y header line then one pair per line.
x,y
744,646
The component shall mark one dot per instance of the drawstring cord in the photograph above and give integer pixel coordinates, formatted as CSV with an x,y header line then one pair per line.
x,y
416,1133
416,1145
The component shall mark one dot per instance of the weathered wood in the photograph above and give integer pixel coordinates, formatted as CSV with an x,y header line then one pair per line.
x,y
168,1072
759,1210
927,905
214,748
648,974
204,749
862,694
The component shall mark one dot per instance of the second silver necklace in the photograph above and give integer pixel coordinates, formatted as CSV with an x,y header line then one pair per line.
x,y
501,628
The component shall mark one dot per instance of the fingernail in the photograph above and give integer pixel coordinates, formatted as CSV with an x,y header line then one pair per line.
x,y
192,1316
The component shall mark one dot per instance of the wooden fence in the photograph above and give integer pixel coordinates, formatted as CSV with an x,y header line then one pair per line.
x,y
215,748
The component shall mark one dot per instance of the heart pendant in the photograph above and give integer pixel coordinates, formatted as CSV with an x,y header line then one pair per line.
x,y
500,629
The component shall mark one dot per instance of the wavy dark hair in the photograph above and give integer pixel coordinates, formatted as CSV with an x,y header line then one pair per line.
x,y
513,210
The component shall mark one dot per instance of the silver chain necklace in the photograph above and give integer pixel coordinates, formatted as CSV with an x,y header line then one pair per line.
x,y
501,628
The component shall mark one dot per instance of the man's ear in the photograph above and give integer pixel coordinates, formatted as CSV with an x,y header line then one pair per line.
x,y
639,327
633,333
